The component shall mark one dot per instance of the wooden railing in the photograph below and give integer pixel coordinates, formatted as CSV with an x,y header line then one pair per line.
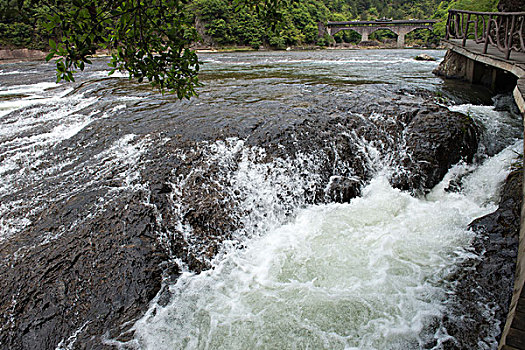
x,y
504,30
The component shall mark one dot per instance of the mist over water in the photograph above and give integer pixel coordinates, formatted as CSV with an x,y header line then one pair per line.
x,y
375,273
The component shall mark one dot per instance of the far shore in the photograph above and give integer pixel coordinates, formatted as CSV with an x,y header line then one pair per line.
x,y
8,55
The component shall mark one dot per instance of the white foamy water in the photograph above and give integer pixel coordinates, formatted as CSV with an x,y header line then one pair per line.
x,y
31,131
370,274
497,127
30,95
25,136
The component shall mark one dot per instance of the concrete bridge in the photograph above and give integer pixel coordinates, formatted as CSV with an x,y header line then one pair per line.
x,y
399,27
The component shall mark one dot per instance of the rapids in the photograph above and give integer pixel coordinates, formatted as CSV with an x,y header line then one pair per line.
x,y
280,266
371,274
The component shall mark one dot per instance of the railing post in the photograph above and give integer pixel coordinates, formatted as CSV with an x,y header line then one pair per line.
x,y
458,26
465,33
521,33
509,37
487,35
447,27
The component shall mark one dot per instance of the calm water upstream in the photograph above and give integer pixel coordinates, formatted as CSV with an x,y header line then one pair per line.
x,y
374,273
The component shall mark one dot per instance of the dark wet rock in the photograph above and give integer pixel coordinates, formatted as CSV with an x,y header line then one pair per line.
x,y
342,190
488,279
434,142
104,261
429,137
503,221
424,57
506,102
89,279
453,66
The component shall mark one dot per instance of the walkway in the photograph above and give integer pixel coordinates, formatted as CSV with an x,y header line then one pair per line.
x,y
494,58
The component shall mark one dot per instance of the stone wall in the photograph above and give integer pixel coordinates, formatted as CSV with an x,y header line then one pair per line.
x,y
21,54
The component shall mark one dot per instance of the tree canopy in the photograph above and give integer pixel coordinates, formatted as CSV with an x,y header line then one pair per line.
x,y
148,39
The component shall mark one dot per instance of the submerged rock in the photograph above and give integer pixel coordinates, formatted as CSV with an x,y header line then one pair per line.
x,y
424,57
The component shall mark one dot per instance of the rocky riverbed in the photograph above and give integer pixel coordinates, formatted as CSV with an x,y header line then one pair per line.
x,y
91,257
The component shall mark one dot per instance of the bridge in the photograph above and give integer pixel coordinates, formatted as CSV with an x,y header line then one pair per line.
x,y
399,27
489,48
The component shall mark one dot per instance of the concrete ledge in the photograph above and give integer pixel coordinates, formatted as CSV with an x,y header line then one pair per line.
x,y
519,95
493,57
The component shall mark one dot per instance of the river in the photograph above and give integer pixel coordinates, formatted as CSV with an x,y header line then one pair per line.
x,y
292,269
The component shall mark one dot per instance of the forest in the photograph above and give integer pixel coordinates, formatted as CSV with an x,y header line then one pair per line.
x,y
222,23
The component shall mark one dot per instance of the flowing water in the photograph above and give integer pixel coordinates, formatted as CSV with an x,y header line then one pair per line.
x,y
374,273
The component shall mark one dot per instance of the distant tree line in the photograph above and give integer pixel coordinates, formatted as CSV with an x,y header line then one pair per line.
x,y
224,23
22,24
221,24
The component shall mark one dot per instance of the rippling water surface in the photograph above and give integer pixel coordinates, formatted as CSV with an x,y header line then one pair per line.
x,y
370,274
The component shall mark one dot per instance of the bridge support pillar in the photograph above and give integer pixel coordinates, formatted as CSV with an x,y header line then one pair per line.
x,y
401,33
365,33
401,41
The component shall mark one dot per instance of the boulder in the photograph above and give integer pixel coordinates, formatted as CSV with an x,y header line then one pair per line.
x,y
424,57
453,66
85,268
435,140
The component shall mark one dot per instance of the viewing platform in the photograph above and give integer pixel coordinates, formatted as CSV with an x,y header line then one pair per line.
x,y
489,48
493,40
492,58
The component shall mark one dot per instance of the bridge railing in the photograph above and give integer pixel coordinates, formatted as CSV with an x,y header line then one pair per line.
x,y
504,30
